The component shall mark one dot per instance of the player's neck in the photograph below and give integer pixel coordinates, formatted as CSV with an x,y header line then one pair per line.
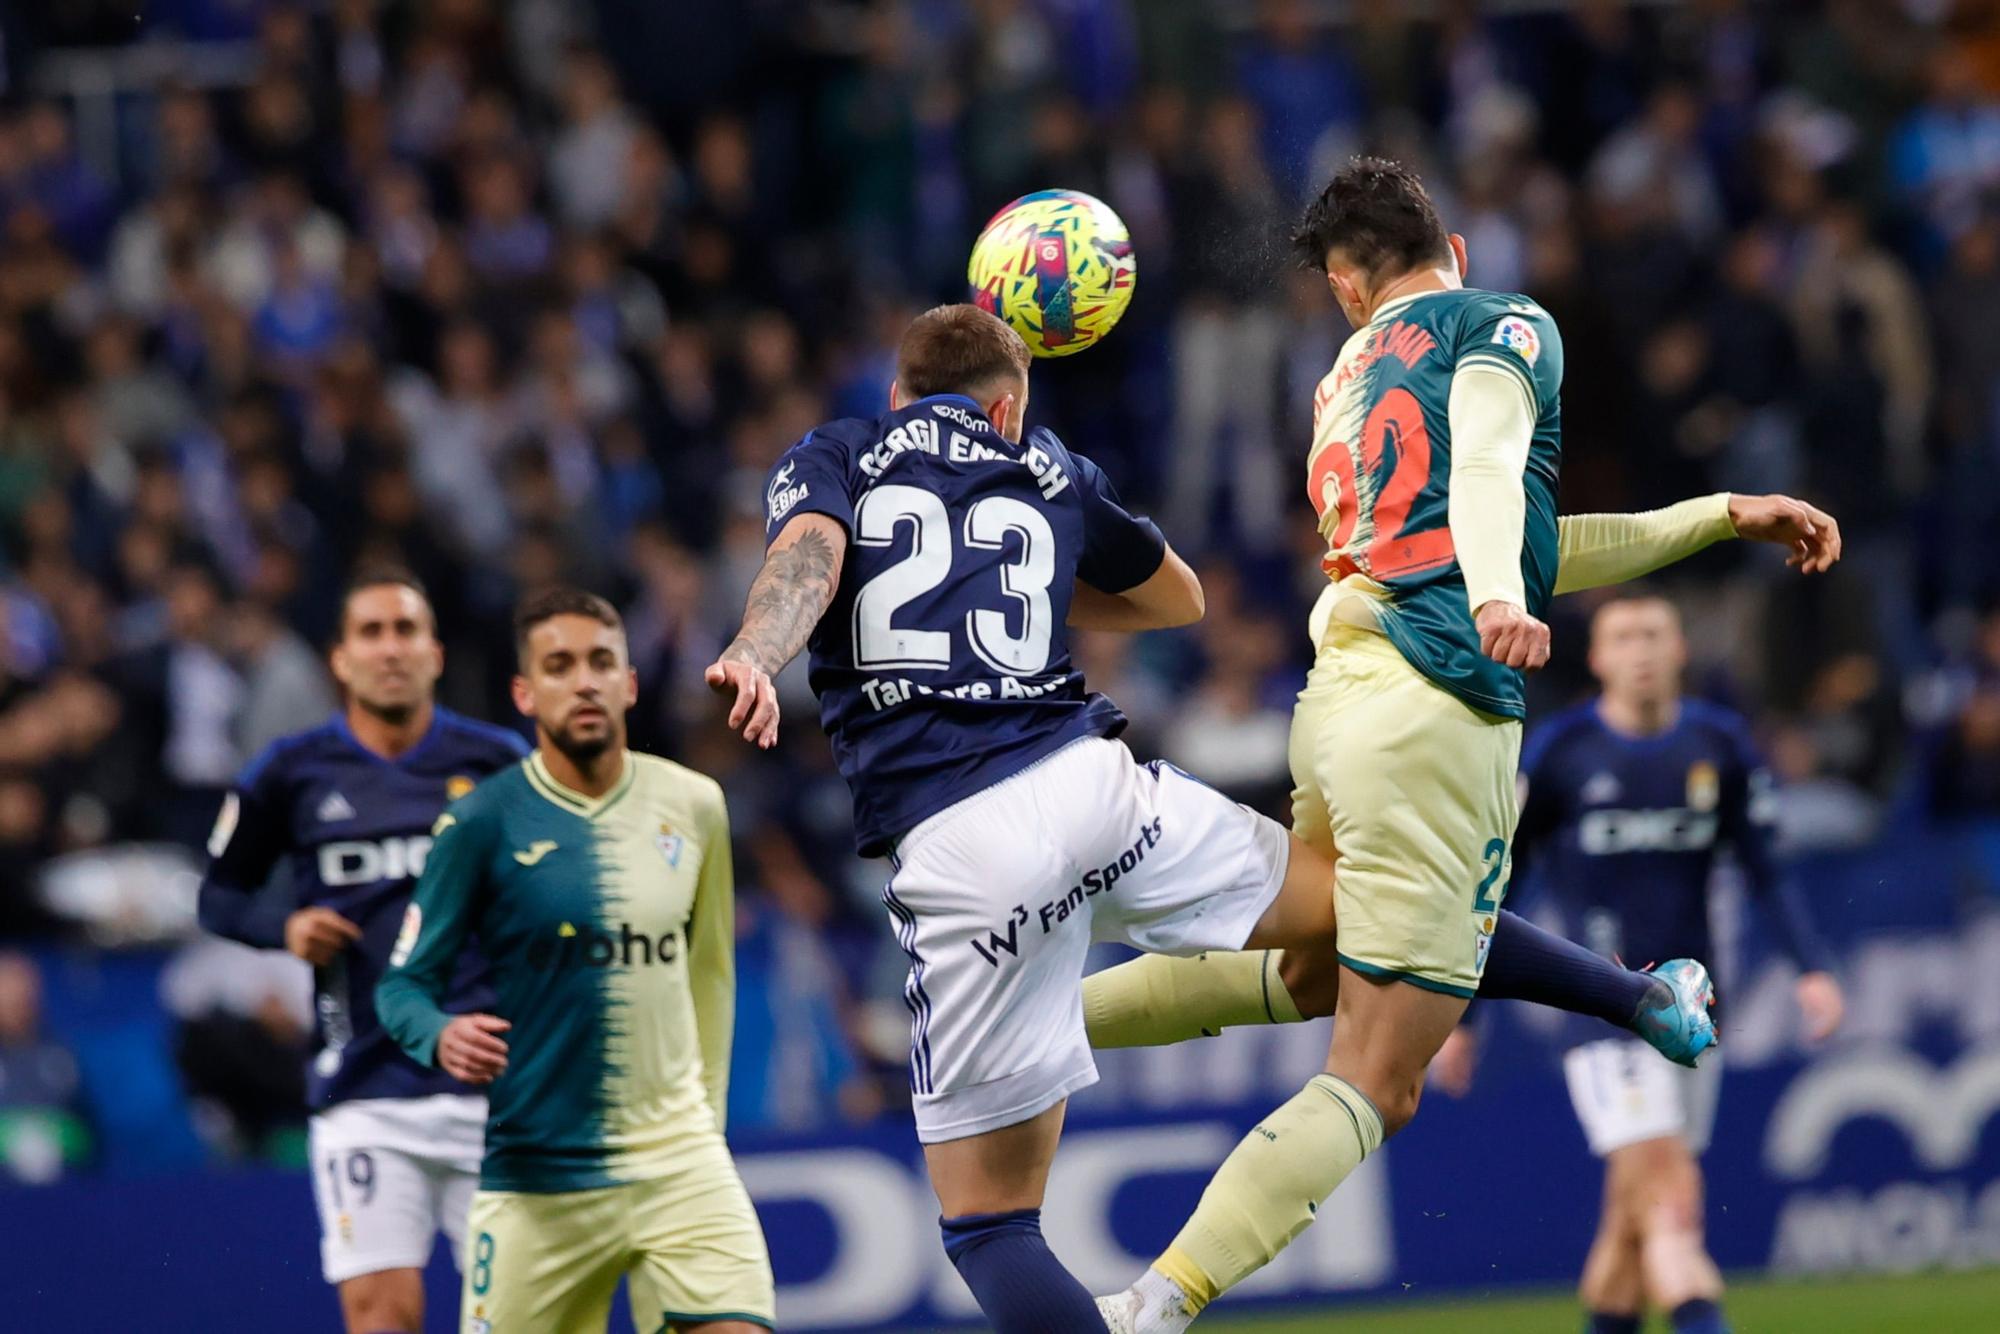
x,y
1415,283
391,738
1640,716
592,777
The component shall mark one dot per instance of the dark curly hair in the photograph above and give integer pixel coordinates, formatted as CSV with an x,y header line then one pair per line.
x,y
1376,213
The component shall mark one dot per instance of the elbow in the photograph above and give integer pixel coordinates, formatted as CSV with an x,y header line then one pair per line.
x,y
1189,604
1193,606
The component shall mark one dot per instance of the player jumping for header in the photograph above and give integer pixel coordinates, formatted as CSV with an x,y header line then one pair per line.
x,y
934,557
599,884
1436,446
349,805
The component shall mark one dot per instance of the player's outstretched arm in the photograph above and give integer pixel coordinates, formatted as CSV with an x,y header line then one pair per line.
x,y
791,592
1599,549
1170,596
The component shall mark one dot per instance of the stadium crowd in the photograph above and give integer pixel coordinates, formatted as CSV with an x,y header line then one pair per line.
x,y
508,295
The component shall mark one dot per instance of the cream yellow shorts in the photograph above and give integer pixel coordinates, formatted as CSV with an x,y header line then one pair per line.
x,y
1416,791
548,1264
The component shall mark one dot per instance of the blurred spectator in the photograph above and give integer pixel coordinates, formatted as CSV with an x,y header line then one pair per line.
x,y
1226,336
1946,154
243,1028
1965,775
43,1130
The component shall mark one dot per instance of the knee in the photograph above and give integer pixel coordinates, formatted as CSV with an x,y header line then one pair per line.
x,y
1397,1104
1313,979
391,1300
1663,1196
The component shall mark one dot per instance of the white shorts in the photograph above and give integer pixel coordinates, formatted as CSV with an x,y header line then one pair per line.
x,y
388,1174
1624,1093
997,899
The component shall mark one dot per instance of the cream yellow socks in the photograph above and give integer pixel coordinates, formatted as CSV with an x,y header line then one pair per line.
x,y
1155,1000
1270,1187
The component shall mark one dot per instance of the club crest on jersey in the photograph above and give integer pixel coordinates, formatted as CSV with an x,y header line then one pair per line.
x,y
1519,337
457,786
782,495
1704,786
406,938
670,844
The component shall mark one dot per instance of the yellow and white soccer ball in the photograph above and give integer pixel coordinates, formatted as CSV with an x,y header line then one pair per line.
x,y
1058,266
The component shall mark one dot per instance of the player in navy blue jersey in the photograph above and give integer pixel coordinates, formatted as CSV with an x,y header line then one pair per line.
x,y
1626,803
347,808
933,558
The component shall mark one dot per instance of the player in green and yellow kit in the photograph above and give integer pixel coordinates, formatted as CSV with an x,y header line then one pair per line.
x,y
598,884
1437,443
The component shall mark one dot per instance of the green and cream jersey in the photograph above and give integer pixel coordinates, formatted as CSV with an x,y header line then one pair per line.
x,y
609,926
1380,470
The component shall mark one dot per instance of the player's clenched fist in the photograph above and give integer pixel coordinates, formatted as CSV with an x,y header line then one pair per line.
x,y
1508,635
471,1048
318,934
756,708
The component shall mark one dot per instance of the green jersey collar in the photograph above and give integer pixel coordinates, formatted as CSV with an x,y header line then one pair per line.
x,y
569,798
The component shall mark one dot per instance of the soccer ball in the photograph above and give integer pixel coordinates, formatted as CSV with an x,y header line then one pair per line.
x,y
1058,266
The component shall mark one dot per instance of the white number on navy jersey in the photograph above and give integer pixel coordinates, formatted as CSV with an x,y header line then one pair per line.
x,y
879,643
1027,581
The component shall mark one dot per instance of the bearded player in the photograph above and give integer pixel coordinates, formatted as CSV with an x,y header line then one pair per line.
x,y
1436,449
599,884
348,806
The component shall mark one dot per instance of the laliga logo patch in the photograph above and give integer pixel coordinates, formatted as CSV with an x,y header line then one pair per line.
x,y
406,938
457,786
1519,337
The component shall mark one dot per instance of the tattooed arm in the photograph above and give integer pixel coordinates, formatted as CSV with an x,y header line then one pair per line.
x,y
800,573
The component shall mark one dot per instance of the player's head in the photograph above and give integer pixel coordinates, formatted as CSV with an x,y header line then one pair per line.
x,y
964,350
576,679
1636,648
1373,224
386,655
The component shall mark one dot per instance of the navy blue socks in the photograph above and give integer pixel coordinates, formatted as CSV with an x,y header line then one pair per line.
x,y
1021,1286
1530,964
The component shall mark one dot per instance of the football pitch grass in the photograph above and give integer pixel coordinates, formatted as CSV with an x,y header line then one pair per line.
x,y
1931,1303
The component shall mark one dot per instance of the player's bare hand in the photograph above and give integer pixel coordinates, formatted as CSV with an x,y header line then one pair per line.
x,y
756,708
1811,534
1822,1005
1452,1067
471,1048
1507,634
318,934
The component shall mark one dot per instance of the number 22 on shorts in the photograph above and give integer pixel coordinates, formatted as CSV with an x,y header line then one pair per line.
x,y
1492,886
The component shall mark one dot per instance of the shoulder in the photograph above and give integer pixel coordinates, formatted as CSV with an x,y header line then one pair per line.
x,y
1510,320
838,438
666,779
1723,726
282,759
498,744
1557,734
482,807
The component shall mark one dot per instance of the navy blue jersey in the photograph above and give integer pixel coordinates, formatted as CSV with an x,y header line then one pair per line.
x,y
354,830
1624,832
942,664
